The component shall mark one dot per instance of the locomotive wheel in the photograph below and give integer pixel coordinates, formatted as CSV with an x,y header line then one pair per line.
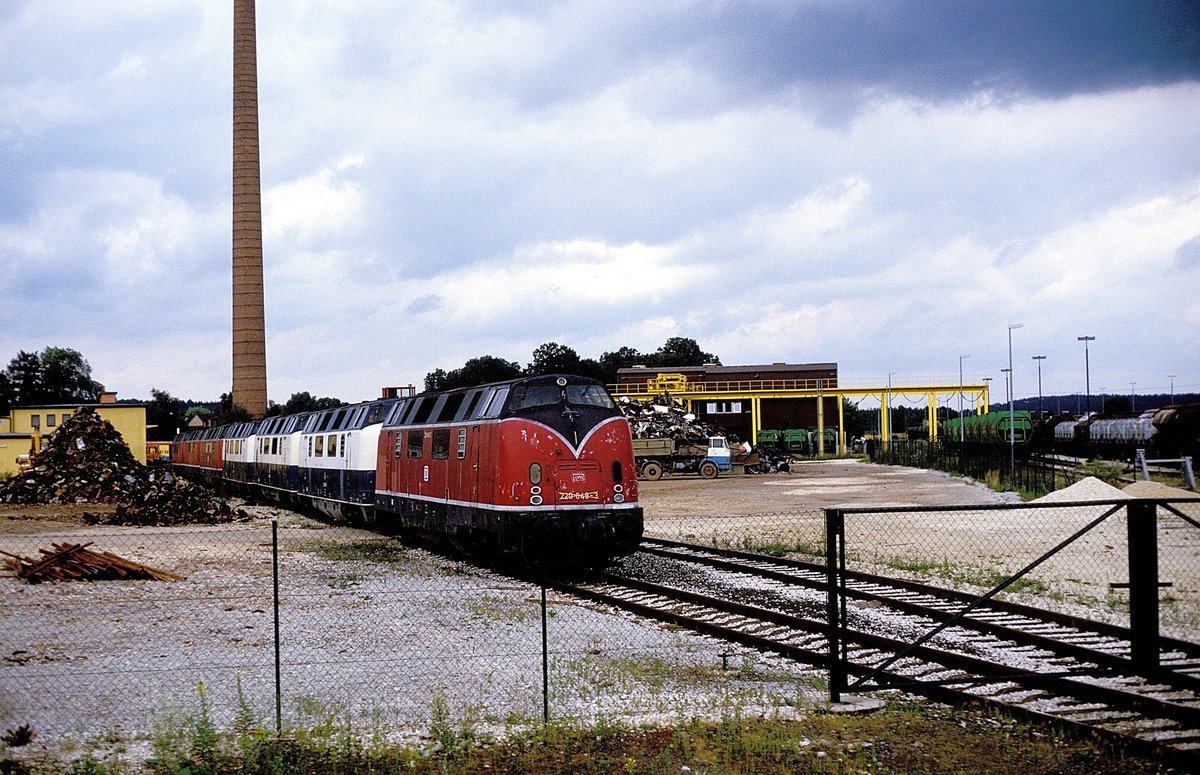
x,y
652,471
708,470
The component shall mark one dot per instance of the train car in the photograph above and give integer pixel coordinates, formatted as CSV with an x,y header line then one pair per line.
x,y
338,454
200,453
241,448
538,469
1178,431
990,428
277,468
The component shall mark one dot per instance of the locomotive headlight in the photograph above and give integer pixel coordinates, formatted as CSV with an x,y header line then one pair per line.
x,y
535,473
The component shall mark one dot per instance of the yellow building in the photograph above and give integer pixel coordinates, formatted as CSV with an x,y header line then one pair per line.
x,y
24,430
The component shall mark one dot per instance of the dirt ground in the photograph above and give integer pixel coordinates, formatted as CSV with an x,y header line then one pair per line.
x,y
968,547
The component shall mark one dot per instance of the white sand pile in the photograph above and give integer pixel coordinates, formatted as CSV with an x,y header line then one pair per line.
x,y
1089,489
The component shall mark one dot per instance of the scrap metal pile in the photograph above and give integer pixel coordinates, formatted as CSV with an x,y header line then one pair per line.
x,y
665,417
87,461
74,562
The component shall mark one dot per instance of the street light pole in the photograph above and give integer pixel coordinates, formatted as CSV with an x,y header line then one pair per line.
x,y
961,429
1172,378
1012,448
1039,359
1132,400
1087,371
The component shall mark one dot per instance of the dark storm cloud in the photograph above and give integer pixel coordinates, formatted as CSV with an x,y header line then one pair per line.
x,y
948,47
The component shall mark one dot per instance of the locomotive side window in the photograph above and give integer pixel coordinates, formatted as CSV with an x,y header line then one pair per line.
x,y
469,405
441,443
494,404
450,408
423,410
320,450
333,446
416,441
399,442
462,443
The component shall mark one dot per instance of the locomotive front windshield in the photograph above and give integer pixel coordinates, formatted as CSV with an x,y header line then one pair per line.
x,y
534,396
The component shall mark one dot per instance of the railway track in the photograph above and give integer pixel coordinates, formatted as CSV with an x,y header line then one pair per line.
x,y
1030,662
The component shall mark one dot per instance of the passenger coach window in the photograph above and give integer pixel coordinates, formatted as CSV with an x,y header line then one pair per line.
x,y
441,443
416,440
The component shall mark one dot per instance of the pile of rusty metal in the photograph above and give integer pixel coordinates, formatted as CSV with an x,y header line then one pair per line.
x,y
74,562
87,461
665,417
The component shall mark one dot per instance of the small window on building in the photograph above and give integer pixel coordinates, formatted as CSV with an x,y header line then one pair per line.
x,y
441,444
49,421
35,421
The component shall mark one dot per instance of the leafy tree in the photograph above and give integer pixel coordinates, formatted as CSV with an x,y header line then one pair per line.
x,y
682,351
1117,405
554,358
24,375
477,371
7,392
67,377
164,416
612,362
59,375
229,412
305,402
436,380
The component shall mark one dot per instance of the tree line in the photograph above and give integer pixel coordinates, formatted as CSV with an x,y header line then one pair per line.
x,y
555,358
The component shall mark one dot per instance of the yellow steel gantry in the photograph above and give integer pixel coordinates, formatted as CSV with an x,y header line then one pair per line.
x,y
755,391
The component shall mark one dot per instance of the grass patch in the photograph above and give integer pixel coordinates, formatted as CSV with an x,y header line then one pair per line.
x,y
777,548
898,739
966,574
368,550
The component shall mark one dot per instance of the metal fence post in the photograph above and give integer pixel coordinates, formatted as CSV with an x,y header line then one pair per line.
x,y
275,580
837,670
1143,583
545,663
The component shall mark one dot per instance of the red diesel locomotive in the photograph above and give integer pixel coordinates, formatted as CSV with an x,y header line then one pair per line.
x,y
538,469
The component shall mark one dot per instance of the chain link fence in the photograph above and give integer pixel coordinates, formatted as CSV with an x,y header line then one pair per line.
x,y
369,635
347,627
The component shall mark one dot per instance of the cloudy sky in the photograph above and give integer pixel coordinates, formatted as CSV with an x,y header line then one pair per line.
x,y
887,185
